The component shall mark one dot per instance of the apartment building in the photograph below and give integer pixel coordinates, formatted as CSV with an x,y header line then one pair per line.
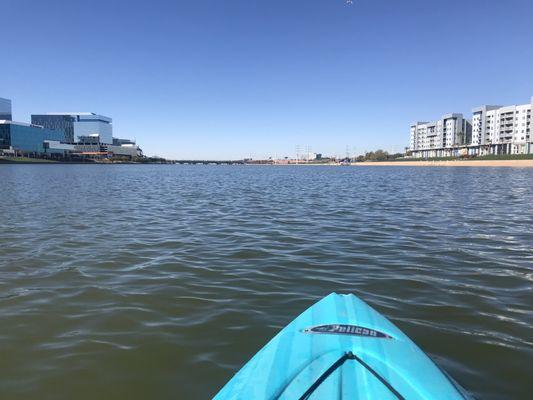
x,y
502,130
446,137
493,130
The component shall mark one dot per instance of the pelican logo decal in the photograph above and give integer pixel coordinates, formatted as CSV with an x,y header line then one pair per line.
x,y
350,330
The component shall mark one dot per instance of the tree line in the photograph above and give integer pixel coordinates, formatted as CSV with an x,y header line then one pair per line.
x,y
378,155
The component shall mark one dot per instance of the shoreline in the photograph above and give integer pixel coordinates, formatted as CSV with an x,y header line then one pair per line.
x,y
527,163
510,163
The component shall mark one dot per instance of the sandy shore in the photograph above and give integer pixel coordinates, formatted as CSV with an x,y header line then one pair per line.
x,y
455,163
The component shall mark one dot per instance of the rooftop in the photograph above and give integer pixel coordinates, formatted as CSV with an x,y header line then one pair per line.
x,y
70,113
8,122
79,115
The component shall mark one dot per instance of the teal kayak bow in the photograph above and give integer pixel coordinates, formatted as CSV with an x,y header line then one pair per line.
x,y
341,348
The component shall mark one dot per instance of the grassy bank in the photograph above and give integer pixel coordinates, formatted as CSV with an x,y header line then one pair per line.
x,y
25,160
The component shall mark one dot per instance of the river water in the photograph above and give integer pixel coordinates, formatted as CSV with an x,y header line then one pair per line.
x,y
160,281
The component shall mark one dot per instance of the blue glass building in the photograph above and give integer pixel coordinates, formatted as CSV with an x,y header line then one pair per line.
x,y
26,138
78,126
5,109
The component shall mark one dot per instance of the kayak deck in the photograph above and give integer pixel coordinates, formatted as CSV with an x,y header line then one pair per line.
x,y
340,348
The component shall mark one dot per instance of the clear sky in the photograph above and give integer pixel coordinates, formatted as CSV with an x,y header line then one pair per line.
x,y
237,78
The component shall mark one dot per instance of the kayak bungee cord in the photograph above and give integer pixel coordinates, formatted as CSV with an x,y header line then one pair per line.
x,y
348,356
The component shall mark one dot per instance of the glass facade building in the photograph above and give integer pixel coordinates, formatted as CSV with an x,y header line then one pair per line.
x,y
26,138
64,123
5,109
77,126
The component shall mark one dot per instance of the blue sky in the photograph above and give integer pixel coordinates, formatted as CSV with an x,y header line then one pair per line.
x,y
235,78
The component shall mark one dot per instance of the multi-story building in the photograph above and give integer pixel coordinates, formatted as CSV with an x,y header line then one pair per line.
x,y
62,133
494,130
5,110
23,138
78,127
502,130
481,123
19,137
418,135
446,137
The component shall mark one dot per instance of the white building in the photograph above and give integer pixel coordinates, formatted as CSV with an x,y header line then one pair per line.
x,y
493,130
502,130
446,137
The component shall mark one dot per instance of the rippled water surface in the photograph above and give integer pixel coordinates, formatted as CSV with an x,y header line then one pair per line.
x,y
159,282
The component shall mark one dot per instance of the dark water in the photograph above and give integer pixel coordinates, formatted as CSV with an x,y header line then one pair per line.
x,y
158,282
